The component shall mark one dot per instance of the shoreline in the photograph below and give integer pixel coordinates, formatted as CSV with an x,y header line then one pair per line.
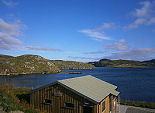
x,y
143,104
13,75
16,74
41,73
141,67
46,73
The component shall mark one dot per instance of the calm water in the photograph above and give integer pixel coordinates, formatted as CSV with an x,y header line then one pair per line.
x,y
134,84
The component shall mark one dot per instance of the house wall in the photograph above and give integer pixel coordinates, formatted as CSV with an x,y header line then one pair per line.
x,y
107,105
112,103
58,103
114,98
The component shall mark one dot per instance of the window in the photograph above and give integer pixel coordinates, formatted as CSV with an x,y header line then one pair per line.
x,y
69,105
103,106
57,94
47,101
113,97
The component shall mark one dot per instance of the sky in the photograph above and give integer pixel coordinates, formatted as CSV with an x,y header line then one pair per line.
x,y
78,30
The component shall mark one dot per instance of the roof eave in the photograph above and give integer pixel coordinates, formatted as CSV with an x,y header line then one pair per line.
x,y
44,86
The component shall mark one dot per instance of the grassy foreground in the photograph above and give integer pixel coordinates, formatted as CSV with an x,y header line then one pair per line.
x,y
15,99
150,105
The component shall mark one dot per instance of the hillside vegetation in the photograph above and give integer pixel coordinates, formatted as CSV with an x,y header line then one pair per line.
x,y
26,64
29,64
15,99
72,65
123,63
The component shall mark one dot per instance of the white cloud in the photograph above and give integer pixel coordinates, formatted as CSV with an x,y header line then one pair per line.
x,y
95,34
8,34
132,54
14,29
7,42
37,48
8,37
144,15
136,23
145,10
151,21
141,53
83,58
94,52
153,30
119,46
9,3
106,26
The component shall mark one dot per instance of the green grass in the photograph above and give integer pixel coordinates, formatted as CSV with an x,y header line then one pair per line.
x,y
15,99
128,66
72,65
143,104
123,63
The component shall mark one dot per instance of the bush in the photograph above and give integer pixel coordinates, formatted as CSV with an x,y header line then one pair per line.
x,y
15,99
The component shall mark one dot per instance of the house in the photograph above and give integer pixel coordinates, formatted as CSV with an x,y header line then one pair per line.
x,y
85,94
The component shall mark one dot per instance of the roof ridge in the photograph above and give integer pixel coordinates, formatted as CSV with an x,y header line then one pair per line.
x,y
76,77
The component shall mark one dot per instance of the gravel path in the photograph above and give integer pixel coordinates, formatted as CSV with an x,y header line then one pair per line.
x,y
132,109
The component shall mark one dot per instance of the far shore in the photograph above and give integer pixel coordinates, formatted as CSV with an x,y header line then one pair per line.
x,y
129,66
16,74
142,104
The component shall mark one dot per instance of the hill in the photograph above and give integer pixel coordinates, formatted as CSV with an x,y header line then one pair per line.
x,y
72,65
123,63
28,64
150,62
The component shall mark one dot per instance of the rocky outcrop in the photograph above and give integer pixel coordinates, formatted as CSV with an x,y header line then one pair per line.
x,y
26,64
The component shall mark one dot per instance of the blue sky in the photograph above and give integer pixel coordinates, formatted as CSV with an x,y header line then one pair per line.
x,y
79,30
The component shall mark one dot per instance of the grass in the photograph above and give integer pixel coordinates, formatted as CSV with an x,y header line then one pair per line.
x,y
15,99
18,99
143,104
128,66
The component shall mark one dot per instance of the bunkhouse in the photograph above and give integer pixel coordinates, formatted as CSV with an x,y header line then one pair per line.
x,y
86,94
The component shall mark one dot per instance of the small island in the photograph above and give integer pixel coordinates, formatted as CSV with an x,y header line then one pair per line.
x,y
74,73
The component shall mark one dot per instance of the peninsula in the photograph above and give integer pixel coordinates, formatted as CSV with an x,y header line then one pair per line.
x,y
123,63
30,64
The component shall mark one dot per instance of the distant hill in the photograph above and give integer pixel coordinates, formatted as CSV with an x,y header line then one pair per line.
x,y
28,64
123,63
150,62
72,65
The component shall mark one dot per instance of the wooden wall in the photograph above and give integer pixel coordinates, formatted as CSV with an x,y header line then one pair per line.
x,y
112,102
58,103
107,105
